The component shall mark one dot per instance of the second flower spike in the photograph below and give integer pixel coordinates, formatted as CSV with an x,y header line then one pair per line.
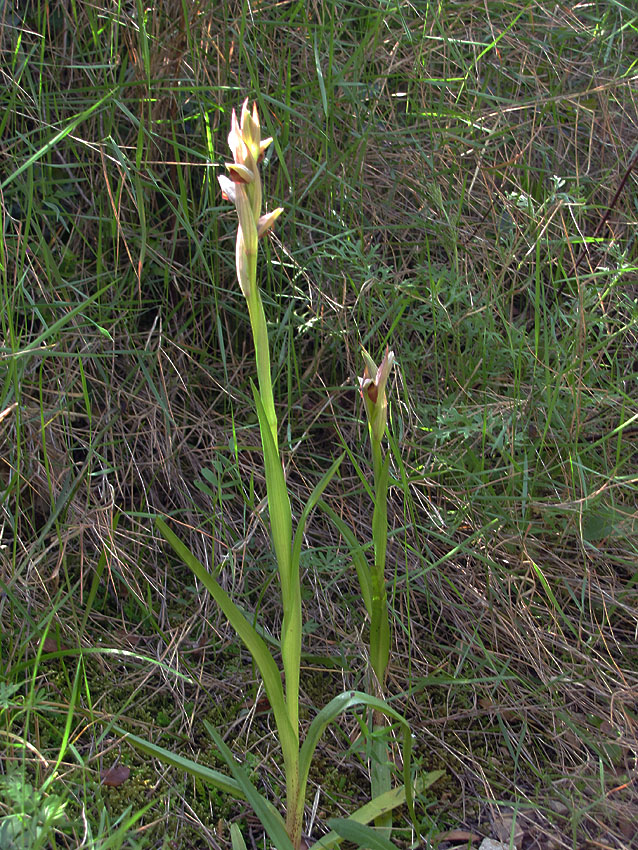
x,y
372,386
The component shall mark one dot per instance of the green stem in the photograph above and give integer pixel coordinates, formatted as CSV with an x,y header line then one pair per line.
x,y
288,572
294,815
381,774
379,626
262,352
291,628
377,462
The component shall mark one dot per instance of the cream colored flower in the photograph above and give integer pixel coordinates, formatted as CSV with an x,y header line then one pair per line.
x,y
242,186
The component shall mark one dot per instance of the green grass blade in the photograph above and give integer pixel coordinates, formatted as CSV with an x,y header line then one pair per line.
x,y
66,735
60,323
313,500
53,141
121,835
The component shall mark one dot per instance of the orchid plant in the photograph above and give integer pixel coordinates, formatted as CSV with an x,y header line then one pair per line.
x,y
242,186
372,575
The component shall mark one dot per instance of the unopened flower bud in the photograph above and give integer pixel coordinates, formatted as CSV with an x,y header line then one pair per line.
x,y
267,221
372,388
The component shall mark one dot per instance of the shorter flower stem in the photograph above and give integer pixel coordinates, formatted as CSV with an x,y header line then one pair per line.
x,y
377,462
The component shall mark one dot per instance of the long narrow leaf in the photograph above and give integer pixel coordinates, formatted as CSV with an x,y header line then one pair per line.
x,y
207,774
52,329
380,515
236,838
57,137
254,643
379,627
379,806
360,834
336,706
310,504
122,834
281,529
380,769
291,598
269,817
356,552
381,772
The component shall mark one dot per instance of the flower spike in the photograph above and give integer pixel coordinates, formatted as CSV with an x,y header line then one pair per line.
x,y
242,186
372,387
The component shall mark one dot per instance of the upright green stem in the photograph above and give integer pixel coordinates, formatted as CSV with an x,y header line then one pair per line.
x,y
380,773
262,353
288,570
377,463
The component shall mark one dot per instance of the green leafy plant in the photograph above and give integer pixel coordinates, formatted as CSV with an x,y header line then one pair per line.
x,y
243,187
34,816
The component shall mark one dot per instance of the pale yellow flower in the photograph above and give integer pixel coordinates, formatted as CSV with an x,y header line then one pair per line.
x,y
242,186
